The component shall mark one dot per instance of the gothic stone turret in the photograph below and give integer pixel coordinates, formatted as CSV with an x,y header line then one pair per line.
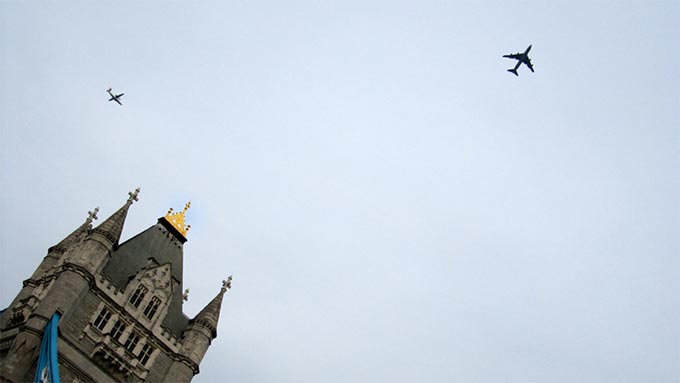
x,y
120,305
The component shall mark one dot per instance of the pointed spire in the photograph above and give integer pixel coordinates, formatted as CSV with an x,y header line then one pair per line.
x,y
210,314
112,228
77,234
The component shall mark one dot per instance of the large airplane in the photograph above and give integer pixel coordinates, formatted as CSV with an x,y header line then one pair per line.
x,y
522,58
115,97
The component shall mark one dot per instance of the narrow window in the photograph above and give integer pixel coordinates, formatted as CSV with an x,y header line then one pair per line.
x,y
138,295
102,319
131,342
145,354
152,307
117,330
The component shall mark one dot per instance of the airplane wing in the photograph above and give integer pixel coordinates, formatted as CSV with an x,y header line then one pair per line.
x,y
512,56
530,66
120,95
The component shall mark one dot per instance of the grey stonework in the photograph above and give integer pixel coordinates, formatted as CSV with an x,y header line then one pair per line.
x,y
120,305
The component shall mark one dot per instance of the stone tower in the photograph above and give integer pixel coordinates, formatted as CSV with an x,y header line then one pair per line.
x,y
120,307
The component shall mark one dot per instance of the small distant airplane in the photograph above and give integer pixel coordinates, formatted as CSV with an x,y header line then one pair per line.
x,y
522,58
115,97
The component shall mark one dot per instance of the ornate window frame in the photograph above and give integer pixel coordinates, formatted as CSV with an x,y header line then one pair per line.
x,y
152,307
102,318
138,296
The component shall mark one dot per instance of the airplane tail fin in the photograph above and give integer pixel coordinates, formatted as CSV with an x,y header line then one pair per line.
x,y
513,71
108,90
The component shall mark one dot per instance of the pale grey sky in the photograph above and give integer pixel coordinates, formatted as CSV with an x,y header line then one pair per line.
x,y
393,204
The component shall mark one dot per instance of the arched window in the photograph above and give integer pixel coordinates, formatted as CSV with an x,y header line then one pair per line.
x,y
152,307
102,319
131,341
145,353
138,295
117,329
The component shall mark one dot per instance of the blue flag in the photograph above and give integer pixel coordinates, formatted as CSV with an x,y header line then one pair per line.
x,y
48,368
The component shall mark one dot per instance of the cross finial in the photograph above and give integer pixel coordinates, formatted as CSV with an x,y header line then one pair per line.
x,y
133,195
92,214
187,206
226,285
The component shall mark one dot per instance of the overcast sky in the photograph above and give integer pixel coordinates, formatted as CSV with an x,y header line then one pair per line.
x,y
393,204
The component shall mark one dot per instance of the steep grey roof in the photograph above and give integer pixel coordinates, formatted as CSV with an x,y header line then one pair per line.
x,y
132,256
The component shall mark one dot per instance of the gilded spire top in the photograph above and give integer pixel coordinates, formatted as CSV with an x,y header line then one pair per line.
x,y
177,219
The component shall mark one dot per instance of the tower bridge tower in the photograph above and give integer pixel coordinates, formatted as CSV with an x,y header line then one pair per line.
x,y
120,306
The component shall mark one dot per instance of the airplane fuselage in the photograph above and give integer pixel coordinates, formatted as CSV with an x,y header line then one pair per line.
x,y
522,58
115,97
